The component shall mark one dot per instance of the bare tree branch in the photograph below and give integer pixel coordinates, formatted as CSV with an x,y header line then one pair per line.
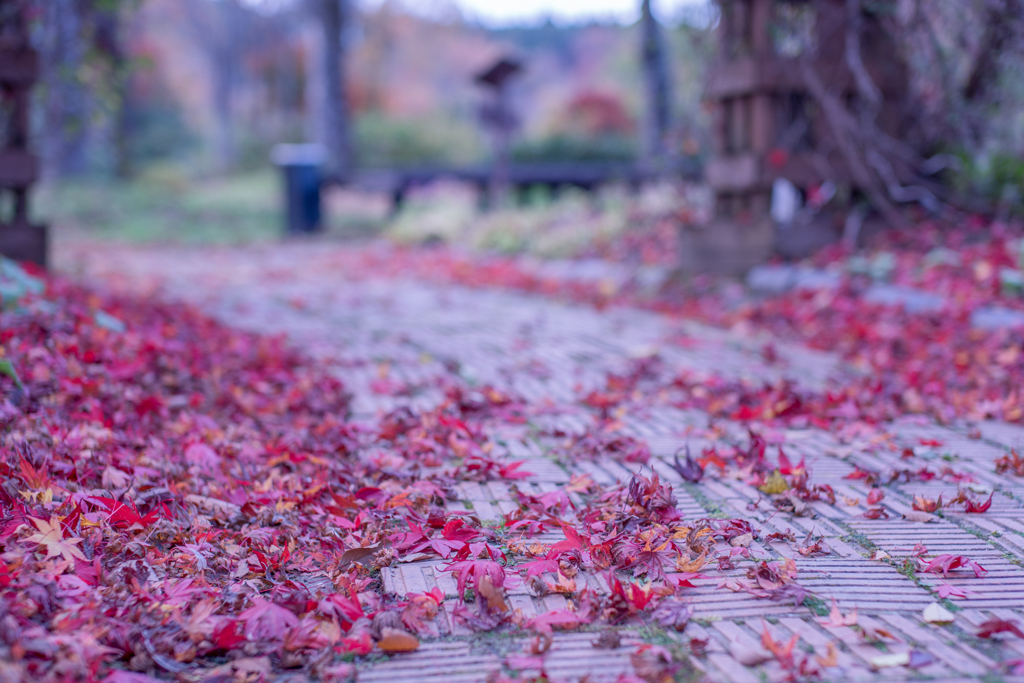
x,y
844,132
866,87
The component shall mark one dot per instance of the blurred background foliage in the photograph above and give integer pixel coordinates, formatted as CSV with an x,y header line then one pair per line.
x,y
410,84
154,118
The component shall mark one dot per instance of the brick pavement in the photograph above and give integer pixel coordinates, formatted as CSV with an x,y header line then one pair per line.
x,y
390,339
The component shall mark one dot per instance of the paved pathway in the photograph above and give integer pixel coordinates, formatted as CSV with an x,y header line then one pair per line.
x,y
392,340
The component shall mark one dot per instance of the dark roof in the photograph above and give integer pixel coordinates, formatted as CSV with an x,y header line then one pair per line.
x,y
501,70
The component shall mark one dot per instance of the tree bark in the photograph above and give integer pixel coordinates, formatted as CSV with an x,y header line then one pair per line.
x,y
66,102
218,28
336,120
656,82
1003,24
109,39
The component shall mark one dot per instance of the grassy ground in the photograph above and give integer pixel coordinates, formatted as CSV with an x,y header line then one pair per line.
x,y
165,205
169,207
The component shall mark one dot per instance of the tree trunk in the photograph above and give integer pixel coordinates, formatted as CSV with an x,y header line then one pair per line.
x,y
656,83
65,100
109,39
223,89
337,138
218,27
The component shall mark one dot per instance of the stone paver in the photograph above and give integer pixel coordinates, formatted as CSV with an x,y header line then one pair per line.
x,y
394,341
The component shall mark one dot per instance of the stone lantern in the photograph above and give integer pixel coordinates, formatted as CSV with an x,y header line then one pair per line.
x,y
498,116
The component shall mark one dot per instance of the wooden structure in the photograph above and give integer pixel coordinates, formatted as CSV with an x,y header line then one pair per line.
x,y
519,177
19,169
768,126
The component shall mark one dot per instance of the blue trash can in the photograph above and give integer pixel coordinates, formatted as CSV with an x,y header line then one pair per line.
x,y
300,166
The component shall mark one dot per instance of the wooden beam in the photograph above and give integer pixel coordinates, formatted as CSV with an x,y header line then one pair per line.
x,y
18,168
752,75
24,242
18,67
734,173
750,172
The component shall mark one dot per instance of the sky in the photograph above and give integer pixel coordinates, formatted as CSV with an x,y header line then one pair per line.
x,y
511,12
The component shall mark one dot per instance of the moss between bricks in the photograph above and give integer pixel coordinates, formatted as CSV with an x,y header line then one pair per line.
x,y
713,509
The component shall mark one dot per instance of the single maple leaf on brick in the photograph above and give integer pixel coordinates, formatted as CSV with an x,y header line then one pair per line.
x,y
787,468
782,651
836,618
673,614
690,469
947,590
945,563
557,618
537,567
869,476
994,626
51,536
512,471
971,506
1012,462
565,585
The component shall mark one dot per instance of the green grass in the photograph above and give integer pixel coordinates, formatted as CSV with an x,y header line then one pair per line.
x,y
713,509
168,206
816,605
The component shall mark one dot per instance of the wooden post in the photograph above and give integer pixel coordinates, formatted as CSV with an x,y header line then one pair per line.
x,y
19,69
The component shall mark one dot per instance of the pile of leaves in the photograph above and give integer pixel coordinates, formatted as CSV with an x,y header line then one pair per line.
x,y
184,499
181,499
157,468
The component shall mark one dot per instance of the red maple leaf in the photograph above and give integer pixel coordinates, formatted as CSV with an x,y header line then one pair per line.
x,y
123,515
573,541
945,563
475,570
560,618
971,506
512,471
228,635
926,504
266,620
869,476
360,644
538,567
994,626
348,609
783,652
787,468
